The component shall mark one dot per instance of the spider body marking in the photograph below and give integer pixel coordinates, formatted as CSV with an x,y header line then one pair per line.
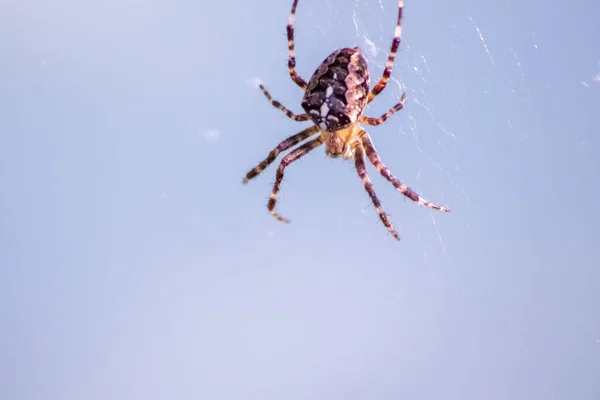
x,y
334,100
336,97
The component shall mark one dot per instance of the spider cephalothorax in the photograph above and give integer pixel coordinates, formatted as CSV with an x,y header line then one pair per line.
x,y
334,100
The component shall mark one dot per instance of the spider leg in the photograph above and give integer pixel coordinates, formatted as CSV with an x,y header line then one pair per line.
x,y
387,174
278,105
287,160
387,72
359,161
378,121
291,56
283,146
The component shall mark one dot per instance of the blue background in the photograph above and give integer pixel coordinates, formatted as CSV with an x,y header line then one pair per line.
x,y
135,265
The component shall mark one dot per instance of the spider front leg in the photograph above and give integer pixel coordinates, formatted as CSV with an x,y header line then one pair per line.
x,y
283,146
387,72
291,56
359,161
278,105
287,160
384,117
387,174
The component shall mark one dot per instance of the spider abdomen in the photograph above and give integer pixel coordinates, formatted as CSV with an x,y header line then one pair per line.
x,y
337,92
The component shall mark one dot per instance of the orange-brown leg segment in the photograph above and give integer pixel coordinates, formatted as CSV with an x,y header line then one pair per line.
x,y
359,161
278,105
387,72
287,160
283,146
387,174
291,56
384,117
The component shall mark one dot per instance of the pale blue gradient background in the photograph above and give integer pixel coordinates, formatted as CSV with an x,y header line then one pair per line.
x,y
135,265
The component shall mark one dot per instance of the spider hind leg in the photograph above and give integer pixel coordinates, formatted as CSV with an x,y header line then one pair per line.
x,y
387,174
361,169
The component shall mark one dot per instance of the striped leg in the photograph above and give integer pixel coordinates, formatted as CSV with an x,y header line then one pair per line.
x,y
390,62
287,160
283,146
291,56
384,117
387,174
359,160
276,104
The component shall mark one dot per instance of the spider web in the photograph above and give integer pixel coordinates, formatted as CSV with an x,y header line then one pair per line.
x,y
421,129
434,124
435,120
427,135
328,27
422,144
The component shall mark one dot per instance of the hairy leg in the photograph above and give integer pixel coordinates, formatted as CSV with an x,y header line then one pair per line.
x,y
387,174
359,160
283,146
278,105
387,72
378,121
291,55
287,160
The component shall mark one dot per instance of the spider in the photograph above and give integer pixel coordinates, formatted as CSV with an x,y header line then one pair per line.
x,y
334,101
